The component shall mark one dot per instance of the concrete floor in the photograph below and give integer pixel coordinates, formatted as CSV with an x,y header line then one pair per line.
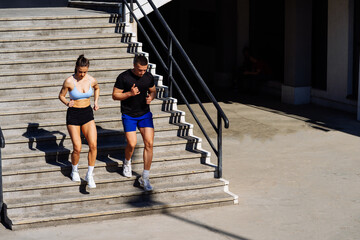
x,y
296,171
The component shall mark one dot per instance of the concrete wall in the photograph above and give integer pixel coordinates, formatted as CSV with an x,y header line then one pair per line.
x,y
339,63
32,3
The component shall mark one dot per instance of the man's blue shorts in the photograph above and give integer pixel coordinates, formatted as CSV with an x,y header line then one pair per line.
x,y
130,123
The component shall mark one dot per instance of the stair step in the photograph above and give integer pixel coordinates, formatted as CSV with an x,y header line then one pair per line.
x,y
50,152
37,87
111,111
36,31
101,176
61,48
58,20
124,192
95,3
100,193
71,40
24,101
55,157
14,130
107,160
20,104
60,74
107,6
63,140
124,195
59,112
60,107
110,211
66,62
33,131
39,135
69,51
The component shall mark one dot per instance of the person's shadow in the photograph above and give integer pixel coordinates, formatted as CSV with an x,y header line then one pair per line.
x,y
47,141
109,154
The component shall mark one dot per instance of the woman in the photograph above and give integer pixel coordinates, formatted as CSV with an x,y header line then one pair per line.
x,y
80,116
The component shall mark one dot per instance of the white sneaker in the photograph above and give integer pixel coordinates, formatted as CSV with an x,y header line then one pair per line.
x,y
75,176
90,181
127,170
145,183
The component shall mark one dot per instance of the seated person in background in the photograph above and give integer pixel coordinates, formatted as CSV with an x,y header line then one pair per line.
x,y
253,73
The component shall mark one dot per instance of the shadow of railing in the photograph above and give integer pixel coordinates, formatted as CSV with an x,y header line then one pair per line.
x,y
204,226
46,141
146,199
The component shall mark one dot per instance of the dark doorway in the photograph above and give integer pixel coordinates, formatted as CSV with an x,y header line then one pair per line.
x,y
356,53
267,34
319,44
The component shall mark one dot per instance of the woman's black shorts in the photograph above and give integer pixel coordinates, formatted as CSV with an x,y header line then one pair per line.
x,y
79,116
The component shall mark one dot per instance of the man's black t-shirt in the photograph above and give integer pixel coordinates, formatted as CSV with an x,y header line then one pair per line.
x,y
135,106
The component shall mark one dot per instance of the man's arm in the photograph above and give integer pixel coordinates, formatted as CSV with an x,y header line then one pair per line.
x,y
119,94
152,95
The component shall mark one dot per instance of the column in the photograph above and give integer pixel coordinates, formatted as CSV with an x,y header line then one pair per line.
x,y
297,50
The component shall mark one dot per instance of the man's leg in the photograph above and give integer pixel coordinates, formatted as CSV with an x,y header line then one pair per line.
x,y
129,150
147,134
131,143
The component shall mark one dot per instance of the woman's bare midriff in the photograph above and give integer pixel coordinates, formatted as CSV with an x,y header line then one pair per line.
x,y
82,103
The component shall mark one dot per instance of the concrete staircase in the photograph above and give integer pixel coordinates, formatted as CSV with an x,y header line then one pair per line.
x,y
36,55
113,6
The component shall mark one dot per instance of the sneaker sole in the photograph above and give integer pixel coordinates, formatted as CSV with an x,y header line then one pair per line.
x,y
128,176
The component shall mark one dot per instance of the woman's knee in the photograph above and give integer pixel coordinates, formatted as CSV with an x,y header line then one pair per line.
x,y
77,149
93,146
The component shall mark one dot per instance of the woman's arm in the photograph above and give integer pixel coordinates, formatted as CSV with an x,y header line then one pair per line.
x,y
63,92
96,94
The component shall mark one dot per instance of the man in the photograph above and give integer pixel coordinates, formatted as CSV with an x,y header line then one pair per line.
x,y
135,89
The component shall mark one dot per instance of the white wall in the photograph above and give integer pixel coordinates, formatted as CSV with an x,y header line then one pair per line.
x,y
339,58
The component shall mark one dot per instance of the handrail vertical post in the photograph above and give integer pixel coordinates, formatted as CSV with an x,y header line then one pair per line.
x,y
170,65
219,123
2,145
122,11
132,9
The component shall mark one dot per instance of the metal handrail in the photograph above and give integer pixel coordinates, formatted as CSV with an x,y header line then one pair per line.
x,y
169,67
2,145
